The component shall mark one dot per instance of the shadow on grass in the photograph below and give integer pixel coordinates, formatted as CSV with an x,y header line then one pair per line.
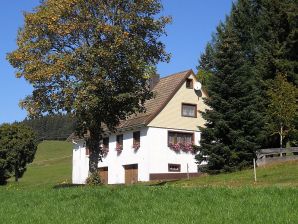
x,y
161,183
67,185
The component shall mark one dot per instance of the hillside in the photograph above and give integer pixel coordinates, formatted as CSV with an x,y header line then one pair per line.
x,y
52,164
280,175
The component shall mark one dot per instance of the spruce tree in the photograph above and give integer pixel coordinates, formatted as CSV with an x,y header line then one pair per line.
x,y
256,42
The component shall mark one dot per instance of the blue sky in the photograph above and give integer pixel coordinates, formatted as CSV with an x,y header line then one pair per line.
x,y
193,23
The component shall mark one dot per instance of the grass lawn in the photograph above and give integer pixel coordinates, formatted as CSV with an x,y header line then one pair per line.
x,y
225,198
145,204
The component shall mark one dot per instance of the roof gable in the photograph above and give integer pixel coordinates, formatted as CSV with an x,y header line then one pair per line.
x,y
164,91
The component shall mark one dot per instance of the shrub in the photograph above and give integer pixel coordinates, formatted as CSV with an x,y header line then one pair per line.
x,y
93,179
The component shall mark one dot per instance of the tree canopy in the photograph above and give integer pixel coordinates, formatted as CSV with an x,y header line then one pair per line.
x,y
253,45
283,108
51,127
90,58
17,149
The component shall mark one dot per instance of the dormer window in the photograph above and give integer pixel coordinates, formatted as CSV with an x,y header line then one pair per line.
x,y
189,83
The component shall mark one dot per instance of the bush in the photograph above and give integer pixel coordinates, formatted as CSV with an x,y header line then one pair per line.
x,y
93,179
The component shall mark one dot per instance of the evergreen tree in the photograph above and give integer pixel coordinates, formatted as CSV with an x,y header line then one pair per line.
x,y
257,41
205,65
230,139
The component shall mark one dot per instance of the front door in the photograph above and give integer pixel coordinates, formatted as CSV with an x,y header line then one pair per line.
x,y
104,174
131,173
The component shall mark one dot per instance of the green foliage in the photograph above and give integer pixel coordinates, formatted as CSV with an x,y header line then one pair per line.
x,y
250,47
205,65
90,58
93,179
17,149
51,127
283,108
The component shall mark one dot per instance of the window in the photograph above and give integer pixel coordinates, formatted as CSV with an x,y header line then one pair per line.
x,y
189,84
136,137
119,140
105,143
180,137
189,110
174,167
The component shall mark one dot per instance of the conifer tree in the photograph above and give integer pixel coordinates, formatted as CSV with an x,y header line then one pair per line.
x,y
257,41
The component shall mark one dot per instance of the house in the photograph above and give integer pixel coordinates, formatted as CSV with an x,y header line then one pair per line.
x,y
154,145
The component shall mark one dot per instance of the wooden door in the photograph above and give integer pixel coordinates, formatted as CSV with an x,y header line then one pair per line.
x,y
131,173
104,174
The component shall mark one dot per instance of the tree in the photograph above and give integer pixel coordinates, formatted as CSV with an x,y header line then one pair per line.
x,y
256,41
17,149
205,65
231,136
282,109
90,58
51,127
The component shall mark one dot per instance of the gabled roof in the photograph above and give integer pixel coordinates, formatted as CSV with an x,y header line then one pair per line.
x,y
164,91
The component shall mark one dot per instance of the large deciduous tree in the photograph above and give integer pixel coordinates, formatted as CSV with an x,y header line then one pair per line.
x,y
90,58
17,149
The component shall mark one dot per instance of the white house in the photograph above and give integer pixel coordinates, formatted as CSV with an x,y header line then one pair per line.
x,y
153,145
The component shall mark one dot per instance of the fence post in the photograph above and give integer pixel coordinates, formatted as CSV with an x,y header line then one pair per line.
x,y
255,171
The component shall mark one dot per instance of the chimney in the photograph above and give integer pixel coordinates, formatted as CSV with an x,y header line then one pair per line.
x,y
153,80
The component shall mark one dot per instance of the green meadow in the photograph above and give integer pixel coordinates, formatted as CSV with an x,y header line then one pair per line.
x,y
43,196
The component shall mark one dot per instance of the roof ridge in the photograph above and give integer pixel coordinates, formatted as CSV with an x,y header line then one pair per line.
x,y
186,71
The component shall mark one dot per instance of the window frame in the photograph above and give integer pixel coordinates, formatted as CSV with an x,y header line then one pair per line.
x,y
135,140
180,132
106,146
117,140
189,104
174,170
190,82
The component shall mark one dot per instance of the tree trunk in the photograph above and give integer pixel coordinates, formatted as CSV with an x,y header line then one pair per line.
x,y
93,144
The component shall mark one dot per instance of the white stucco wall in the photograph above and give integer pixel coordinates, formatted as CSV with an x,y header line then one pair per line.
x,y
115,161
80,163
153,156
161,155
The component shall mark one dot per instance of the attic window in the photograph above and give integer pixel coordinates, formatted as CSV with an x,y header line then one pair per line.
x,y
189,110
189,84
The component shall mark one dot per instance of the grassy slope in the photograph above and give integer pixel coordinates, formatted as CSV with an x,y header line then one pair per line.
x,y
52,165
280,175
34,200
